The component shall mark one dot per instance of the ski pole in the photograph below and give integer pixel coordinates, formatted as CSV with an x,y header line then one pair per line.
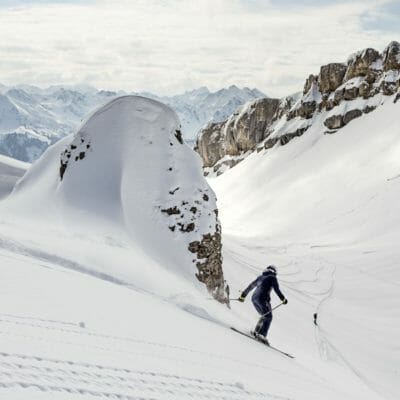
x,y
272,309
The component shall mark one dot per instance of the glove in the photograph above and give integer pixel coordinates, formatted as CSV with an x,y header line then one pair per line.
x,y
242,298
284,301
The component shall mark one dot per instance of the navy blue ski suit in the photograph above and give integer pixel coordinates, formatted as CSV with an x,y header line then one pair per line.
x,y
261,299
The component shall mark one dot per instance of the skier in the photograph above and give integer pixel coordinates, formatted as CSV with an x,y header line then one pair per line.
x,y
261,300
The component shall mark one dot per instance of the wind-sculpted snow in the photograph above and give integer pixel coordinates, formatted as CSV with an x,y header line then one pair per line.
x,y
127,167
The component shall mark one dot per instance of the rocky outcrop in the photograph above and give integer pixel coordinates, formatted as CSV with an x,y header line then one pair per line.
x,y
311,80
208,251
350,115
240,133
211,143
334,122
186,217
248,128
367,77
307,109
360,64
331,77
391,57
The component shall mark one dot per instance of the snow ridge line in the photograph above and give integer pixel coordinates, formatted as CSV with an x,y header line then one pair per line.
x,y
84,378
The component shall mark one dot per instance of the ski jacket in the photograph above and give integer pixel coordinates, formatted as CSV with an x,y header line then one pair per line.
x,y
264,285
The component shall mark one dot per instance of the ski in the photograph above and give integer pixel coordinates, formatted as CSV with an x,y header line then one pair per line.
x,y
271,347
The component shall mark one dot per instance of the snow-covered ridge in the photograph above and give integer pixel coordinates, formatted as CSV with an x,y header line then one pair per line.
x,y
32,118
340,93
127,170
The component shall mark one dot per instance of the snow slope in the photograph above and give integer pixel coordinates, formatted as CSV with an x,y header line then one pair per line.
x,y
92,310
10,171
127,170
325,209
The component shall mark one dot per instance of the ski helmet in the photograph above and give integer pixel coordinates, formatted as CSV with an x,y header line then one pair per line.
x,y
271,268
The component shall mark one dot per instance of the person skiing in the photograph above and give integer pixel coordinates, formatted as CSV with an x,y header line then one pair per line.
x,y
262,301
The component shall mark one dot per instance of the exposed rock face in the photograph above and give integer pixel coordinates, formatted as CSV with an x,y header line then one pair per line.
x,y
350,115
211,144
331,77
391,56
186,217
208,252
312,79
248,128
259,126
360,63
334,122
307,109
240,133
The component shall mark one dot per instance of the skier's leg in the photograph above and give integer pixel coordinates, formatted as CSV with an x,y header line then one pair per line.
x,y
261,308
266,321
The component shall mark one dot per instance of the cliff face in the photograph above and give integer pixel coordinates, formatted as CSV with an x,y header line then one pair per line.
x,y
340,93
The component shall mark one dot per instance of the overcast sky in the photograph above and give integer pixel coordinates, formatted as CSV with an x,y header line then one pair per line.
x,y
168,46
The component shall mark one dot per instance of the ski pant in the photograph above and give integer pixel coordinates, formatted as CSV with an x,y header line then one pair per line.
x,y
263,324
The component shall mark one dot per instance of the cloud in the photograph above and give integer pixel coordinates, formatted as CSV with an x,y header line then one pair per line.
x,y
167,46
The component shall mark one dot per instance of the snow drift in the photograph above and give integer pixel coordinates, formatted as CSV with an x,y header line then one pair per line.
x,y
128,170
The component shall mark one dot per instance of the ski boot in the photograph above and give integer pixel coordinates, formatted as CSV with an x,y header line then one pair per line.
x,y
260,338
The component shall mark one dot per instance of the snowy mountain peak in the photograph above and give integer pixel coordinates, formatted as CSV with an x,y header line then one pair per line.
x,y
128,170
47,115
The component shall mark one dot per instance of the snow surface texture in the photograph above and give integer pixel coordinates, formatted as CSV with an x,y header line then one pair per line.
x,y
32,118
326,210
88,312
129,168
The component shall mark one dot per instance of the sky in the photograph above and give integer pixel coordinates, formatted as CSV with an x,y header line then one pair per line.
x,y
170,46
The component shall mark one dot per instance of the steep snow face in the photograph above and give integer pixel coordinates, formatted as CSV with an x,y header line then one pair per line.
x,y
328,206
314,187
128,169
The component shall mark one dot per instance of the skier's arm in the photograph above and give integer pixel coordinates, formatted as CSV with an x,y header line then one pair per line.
x,y
277,290
249,289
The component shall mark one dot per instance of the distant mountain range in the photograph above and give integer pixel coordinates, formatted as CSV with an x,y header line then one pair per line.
x,y
32,118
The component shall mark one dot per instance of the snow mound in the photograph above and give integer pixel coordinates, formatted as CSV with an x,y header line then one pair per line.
x,y
128,170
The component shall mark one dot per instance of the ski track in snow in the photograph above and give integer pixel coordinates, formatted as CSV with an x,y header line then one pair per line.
x,y
327,350
108,343
19,371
